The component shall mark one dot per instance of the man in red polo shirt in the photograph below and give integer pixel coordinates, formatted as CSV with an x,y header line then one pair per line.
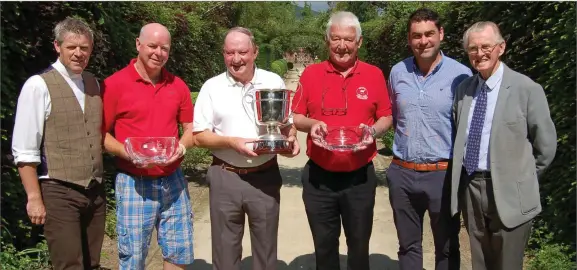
x,y
342,91
145,100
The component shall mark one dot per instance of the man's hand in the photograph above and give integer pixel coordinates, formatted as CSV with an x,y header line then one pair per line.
x,y
36,211
180,151
296,147
243,146
366,140
318,131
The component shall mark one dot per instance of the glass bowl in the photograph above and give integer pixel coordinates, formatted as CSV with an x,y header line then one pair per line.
x,y
344,138
147,150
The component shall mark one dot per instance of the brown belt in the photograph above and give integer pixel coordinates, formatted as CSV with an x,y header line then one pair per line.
x,y
243,170
422,167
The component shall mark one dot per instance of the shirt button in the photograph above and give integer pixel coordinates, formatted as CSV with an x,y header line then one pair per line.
x,y
90,145
92,157
88,133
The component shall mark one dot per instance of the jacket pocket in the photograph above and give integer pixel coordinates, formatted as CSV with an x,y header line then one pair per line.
x,y
529,195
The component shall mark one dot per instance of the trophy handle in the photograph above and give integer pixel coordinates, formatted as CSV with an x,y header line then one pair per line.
x,y
293,93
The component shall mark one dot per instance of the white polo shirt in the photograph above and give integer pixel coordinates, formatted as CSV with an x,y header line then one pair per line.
x,y
225,107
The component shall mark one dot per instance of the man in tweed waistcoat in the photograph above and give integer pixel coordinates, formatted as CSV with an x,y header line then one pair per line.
x,y
57,146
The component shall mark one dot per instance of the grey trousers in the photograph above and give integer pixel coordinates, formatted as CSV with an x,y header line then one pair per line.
x,y
232,197
411,194
493,246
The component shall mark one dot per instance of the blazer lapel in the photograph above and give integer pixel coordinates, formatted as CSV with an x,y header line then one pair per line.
x,y
500,107
501,98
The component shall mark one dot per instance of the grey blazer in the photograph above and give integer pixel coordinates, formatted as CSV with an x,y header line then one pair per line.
x,y
523,143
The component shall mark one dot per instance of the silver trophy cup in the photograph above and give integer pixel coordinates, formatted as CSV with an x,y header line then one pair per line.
x,y
272,109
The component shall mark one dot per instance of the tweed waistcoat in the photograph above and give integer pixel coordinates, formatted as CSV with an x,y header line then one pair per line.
x,y
72,142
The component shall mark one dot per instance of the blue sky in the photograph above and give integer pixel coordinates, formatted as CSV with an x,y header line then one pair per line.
x,y
315,5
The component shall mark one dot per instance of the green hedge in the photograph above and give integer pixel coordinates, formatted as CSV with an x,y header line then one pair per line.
x,y
279,67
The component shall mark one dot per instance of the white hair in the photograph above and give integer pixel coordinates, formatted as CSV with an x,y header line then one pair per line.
x,y
479,27
344,18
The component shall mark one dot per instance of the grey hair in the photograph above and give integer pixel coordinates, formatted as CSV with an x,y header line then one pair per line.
x,y
344,18
480,26
245,31
74,26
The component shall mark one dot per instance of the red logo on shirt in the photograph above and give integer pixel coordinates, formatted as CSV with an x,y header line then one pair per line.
x,y
362,93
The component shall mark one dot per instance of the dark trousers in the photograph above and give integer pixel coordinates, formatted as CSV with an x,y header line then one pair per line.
x,y
493,246
232,196
411,193
74,227
330,197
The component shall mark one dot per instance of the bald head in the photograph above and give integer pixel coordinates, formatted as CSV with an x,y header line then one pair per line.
x,y
153,30
153,46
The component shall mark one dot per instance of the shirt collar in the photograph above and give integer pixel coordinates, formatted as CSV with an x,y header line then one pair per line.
x,y
494,79
330,68
64,71
435,70
234,82
136,77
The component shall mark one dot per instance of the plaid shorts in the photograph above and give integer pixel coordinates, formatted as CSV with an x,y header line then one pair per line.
x,y
143,203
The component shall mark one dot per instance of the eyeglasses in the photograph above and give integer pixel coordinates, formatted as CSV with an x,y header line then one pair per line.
x,y
484,49
334,111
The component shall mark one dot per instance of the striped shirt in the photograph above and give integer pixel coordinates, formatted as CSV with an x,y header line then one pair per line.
x,y
422,109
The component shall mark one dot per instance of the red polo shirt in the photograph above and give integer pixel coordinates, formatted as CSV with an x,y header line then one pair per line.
x,y
367,100
133,107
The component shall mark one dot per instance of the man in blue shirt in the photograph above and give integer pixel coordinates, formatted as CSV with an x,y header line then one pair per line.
x,y
422,89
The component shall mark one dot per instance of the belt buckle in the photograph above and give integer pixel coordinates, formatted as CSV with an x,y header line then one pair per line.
x,y
242,171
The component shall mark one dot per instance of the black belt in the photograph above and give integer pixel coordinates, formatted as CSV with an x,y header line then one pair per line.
x,y
485,174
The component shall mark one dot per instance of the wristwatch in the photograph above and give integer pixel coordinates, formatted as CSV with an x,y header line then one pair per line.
x,y
373,132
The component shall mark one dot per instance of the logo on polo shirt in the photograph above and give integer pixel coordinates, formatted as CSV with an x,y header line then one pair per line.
x,y
362,93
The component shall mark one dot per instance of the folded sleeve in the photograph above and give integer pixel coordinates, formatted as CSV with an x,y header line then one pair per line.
x,y
32,110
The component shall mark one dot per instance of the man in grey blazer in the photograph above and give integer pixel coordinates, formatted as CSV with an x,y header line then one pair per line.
x,y
505,139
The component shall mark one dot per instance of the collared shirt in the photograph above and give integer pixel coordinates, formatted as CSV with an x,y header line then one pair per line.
x,y
34,107
359,97
494,84
422,109
226,107
133,107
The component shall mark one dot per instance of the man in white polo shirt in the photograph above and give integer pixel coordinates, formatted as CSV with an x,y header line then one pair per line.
x,y
241,182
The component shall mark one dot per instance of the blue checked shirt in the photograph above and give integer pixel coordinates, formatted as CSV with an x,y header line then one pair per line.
x,y
422,109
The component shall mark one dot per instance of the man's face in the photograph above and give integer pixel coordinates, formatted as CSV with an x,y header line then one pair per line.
x,y
153,49
343,46
484,51
239,55
425,39
74,52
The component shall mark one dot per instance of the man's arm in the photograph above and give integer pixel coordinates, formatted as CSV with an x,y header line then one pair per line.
x,y
382,125
211,140
26,141
541,129
114,147
303,123
187,138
